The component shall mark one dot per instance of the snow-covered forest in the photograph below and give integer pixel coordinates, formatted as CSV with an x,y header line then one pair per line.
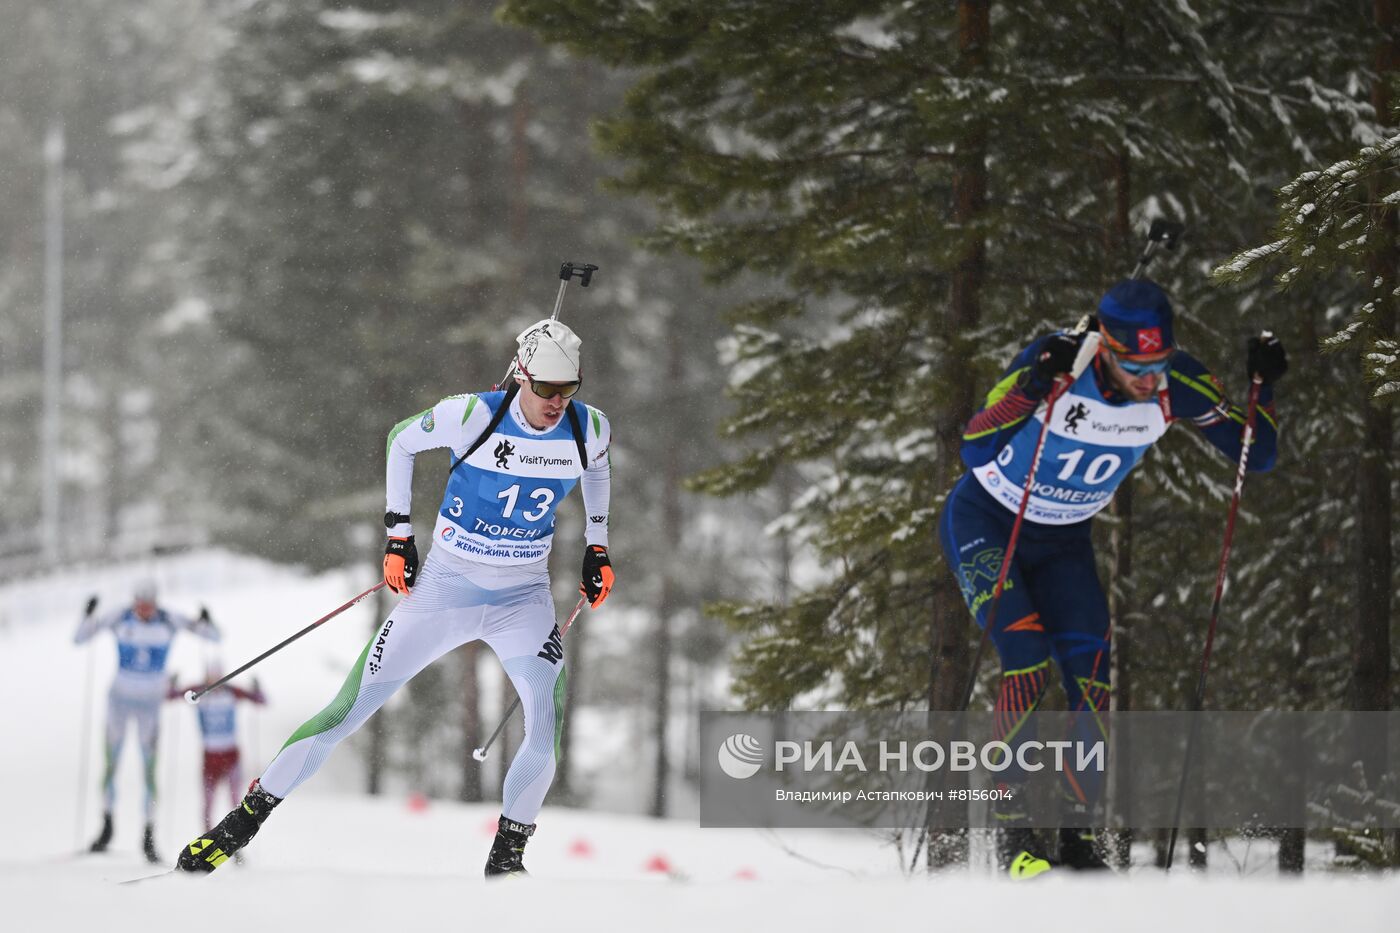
x,y
241,239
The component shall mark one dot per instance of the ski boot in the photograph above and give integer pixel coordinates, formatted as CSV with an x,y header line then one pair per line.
x,y
1077,845
1019,850
507,856
213,848
148,845
1021,854
1079,851
105,837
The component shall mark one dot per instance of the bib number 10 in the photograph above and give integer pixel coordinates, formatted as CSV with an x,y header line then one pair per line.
x,y
1099,470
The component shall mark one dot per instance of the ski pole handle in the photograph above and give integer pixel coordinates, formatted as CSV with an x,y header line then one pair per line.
x,y
193,696
480,753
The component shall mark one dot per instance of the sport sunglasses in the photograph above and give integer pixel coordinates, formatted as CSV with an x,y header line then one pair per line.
x,y
1138,368
551,389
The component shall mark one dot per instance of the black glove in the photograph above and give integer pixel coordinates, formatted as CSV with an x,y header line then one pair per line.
x,y
597,575
400,564
91,606
204,615
1056,358
1266,358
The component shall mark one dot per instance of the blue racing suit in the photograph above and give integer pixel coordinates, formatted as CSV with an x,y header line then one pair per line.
x,y
1053,604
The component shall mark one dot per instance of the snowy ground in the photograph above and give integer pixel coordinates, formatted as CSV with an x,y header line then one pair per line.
x,y
335,859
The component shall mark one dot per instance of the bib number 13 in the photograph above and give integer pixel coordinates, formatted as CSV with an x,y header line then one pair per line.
x,y
543,497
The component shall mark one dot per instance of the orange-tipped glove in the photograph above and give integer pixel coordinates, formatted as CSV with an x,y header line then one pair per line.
x,y
597,575
400,564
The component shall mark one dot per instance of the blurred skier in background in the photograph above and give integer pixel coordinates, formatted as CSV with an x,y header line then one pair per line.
x,y
218,732
516,454
143,632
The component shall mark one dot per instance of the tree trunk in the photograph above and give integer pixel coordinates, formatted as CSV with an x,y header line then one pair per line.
x,y
667,604
1290,851
949,631
1196,852
783,481
1302,685
519,170
1371,675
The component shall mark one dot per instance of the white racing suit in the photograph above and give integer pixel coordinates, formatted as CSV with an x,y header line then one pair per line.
x,y
486,577
139,688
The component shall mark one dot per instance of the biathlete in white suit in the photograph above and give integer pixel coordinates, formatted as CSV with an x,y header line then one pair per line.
x,y
516,454
143,633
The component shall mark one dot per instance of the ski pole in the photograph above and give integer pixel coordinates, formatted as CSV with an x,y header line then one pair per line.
x,y
1061,386
85,749
192,696
1198,701
172,767
480,753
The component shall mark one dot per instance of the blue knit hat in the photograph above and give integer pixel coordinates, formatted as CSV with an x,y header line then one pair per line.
x,y
1135,319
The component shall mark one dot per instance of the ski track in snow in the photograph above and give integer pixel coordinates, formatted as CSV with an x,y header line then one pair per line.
x,y
333,858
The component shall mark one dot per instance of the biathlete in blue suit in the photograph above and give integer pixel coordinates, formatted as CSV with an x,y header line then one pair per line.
x,y
1052,604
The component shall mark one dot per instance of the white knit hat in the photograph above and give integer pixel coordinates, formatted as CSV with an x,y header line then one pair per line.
x,y
549,352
